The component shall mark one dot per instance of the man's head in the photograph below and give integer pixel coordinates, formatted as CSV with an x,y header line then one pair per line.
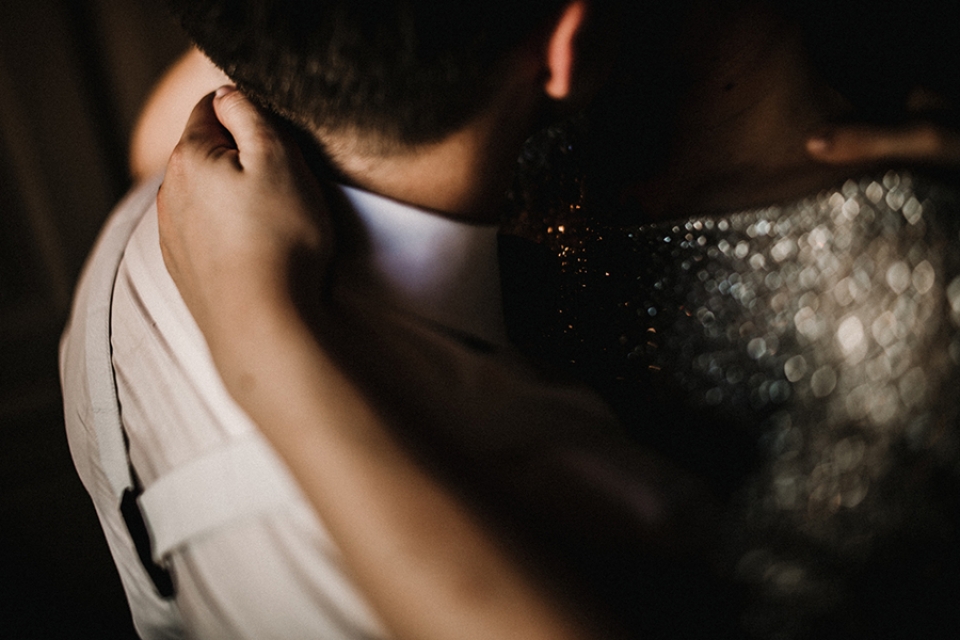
x,y
406,71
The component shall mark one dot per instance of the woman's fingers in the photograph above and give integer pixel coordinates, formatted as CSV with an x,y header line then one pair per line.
x,y
240,215
204,135
257,141
226,125
859,144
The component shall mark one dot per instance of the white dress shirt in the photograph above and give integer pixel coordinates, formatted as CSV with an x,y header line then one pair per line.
x,y
248,556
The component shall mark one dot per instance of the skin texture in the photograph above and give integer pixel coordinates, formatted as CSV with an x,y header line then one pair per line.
x,y
406,539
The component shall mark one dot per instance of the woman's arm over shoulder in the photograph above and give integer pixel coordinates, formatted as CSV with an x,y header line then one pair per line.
x,y
236,205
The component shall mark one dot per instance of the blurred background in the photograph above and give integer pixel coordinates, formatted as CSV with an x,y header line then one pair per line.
x,y
73,74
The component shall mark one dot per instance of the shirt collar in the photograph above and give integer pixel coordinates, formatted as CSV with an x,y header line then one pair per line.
x,y
442,270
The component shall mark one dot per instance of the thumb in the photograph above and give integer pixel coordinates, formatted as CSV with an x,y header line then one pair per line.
x,y
203,134
256,139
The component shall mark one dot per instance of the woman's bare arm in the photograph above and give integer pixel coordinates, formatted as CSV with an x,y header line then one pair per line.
x,y
231,217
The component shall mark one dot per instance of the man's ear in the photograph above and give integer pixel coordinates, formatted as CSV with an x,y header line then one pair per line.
x,y
561,52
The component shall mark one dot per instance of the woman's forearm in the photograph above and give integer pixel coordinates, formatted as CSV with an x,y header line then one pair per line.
x,y
427,565
236,208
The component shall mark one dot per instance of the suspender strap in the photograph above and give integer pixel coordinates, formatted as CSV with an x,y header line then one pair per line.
x,y
98,283
100,277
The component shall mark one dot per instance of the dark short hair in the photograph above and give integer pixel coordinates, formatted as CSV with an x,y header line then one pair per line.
x,y
408,71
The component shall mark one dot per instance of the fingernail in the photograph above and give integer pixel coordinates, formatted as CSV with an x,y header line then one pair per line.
x,y
224,90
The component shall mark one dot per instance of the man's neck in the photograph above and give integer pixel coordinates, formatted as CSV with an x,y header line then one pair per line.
x,y
451,177
463,176
741,129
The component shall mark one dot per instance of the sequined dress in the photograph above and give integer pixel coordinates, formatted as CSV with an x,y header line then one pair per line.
x,y
805,358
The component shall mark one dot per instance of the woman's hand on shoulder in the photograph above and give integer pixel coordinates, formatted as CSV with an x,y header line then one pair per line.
x,y
237,210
